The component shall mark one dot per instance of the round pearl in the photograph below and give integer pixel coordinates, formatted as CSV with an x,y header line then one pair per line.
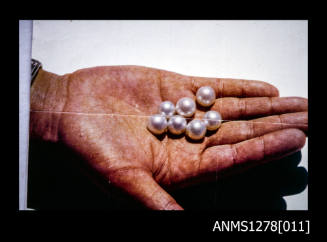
x,y
157,124
206,96
177,124
167,108
196,129
186,107
212,120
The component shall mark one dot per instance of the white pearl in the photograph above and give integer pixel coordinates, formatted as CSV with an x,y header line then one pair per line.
x,y
196,129
167,108
186,107
177,124
157,124
212,120
206,96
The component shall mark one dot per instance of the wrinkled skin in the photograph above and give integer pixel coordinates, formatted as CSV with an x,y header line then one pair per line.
x,y
264,127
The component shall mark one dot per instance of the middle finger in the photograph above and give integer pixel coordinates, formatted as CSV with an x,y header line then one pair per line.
x,y
237,131
232,108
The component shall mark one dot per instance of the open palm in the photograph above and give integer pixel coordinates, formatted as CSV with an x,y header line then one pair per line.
x,y
105,115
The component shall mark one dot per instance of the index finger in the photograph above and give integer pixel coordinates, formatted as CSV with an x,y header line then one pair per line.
x,y
227,87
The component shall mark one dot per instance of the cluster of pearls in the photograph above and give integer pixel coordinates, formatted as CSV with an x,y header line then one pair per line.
x,y
185,108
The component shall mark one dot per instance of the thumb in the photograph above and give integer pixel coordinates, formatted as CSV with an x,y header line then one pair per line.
x,y
140,184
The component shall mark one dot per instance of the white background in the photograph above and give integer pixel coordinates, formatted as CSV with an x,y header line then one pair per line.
x,y
271,51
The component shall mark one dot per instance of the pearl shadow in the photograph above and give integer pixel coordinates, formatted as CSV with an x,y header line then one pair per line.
x,y
194,141
203,109
211,132
175,136
161,136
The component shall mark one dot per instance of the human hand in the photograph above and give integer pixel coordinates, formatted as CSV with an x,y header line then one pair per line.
x,y
101,113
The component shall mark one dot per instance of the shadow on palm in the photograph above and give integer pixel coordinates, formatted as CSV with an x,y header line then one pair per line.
x,y
260,188
56,183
